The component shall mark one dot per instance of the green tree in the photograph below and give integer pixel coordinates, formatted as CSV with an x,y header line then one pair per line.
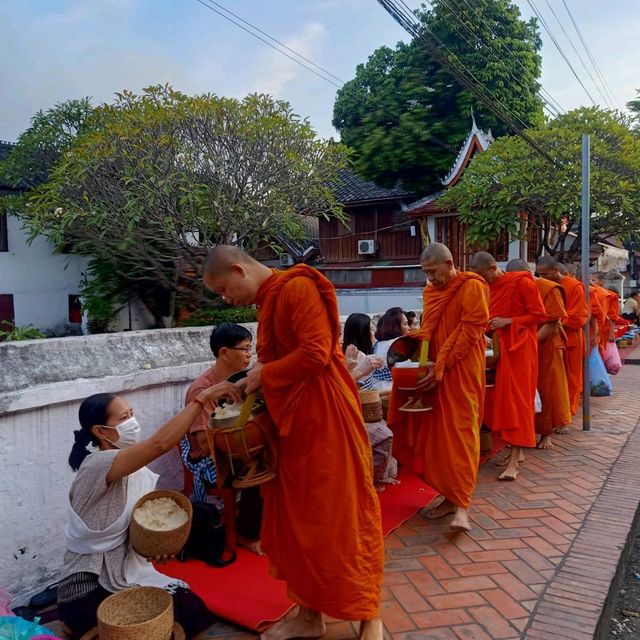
x,y
39,148
511,177
405,115
157,178
634,107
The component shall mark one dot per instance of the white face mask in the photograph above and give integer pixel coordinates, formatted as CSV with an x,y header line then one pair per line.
x,y
128,433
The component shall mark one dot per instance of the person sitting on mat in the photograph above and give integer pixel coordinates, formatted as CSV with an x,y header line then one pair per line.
x,y
357,346
109,481
231,346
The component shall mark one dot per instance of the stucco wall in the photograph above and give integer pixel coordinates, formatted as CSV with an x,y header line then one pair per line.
x,y
39,280
41,387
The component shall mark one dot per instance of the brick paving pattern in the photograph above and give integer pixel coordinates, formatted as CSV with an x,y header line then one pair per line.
x,y
543,550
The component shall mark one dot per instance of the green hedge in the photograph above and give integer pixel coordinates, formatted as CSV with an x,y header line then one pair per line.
x,y
207,317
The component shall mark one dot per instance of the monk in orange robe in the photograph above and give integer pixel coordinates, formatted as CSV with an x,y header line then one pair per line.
x,y
447,448
549,269
600,308
321,525
515,311
552,376
610,302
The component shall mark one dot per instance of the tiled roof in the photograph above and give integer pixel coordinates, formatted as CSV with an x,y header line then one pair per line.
x,y
352,188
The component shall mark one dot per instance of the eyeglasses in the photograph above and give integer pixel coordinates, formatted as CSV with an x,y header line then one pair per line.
x,y
248,349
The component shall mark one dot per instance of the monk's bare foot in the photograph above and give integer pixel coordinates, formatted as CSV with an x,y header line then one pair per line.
x,y
371,630
252,545
515,459
305,624
445,508
504,462
460,520
509,474
379,487
562,430
545,443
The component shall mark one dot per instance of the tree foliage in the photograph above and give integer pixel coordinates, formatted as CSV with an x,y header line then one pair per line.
x,y
405,115
512,177
154,179
634,107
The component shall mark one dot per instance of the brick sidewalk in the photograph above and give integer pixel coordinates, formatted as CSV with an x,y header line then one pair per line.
x,y
543,551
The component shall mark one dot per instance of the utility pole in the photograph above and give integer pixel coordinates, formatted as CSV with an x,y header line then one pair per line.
x,y
584,268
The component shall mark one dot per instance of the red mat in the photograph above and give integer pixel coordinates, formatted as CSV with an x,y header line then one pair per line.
x,y
244,593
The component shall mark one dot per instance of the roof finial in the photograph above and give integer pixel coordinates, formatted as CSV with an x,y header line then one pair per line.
x,y
474,126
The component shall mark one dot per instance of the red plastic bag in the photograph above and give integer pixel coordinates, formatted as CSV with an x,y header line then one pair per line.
x,y
612,358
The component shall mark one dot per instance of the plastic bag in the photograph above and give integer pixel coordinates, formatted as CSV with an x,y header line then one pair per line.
x,y
15,628
612,358
5,601
599,380
538,402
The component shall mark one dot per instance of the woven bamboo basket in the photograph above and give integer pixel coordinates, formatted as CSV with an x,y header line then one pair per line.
x,y
139,613
371,406
178,633
486,441
385,406
149,543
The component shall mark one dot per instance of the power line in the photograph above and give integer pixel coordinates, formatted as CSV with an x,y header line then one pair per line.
x,y
595,84
552,111
545,95
284,53
406,19
593,61
546,27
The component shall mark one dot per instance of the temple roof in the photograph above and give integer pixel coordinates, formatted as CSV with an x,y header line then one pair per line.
x,y
351,189
477,140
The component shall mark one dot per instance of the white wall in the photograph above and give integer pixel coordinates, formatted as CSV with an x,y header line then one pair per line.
x,y
39,280
378,300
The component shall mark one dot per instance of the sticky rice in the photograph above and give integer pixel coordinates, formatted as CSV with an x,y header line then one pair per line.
x,y
227,411
160,514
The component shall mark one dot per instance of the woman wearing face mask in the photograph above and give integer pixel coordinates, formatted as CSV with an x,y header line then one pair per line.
x,y
109,481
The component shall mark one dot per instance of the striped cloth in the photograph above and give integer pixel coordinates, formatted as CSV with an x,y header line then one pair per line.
x,y
203,471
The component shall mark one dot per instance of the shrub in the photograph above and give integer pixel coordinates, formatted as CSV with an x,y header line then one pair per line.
x,y
207,317
14,333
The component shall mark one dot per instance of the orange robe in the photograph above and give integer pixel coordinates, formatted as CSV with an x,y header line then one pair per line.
x,y
600,308
444,444
321,523
552,376
574,328
515,295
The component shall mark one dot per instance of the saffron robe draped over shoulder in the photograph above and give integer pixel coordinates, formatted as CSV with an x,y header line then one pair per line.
x,y
515,295
601,295
321,522
444,444
577,315
552,376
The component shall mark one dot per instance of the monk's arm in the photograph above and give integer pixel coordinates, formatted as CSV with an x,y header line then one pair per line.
x,y
536,313
475,315
576,309
308,321
547,330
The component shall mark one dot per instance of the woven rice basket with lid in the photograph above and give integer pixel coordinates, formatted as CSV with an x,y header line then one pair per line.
x,y
139,613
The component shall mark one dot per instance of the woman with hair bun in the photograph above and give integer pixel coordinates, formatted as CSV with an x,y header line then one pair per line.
x,y
110,479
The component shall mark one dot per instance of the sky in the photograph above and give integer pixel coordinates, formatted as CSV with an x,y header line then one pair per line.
x,y
54,50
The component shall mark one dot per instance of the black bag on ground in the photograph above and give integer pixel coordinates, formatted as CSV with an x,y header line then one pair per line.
x,y
206,540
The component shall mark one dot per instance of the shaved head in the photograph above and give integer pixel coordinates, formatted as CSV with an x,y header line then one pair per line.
x,y
436,252
570,269
517,265
600,277
436,263
481,261
234,275
549,268
484,264
222,256
562,268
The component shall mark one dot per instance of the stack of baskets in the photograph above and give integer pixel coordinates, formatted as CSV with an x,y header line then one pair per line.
x,y
371,406
140,613
150,543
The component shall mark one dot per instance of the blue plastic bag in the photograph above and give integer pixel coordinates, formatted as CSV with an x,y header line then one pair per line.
x,y
15,628
599,380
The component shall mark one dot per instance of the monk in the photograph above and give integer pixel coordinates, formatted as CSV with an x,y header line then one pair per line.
x,y
515,311
447,452
549,268
321,520
611,305
552,376
606,325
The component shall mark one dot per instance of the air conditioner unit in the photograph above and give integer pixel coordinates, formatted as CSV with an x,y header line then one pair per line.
x,y
367,247
286,260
